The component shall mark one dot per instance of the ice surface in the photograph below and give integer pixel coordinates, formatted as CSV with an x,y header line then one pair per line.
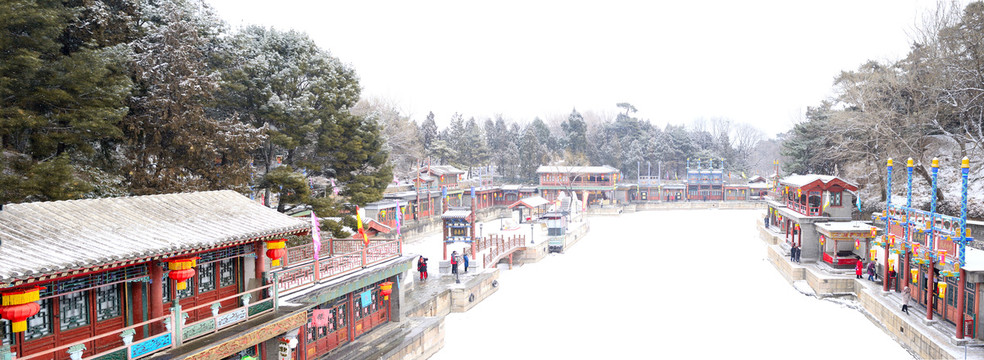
x,y
660,284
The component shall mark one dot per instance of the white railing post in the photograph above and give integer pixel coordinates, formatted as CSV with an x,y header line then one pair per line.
x,y
276,288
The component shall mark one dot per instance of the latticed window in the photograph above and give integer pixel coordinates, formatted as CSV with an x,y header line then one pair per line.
x,y
189,289
107,302
227,272
969,298
6,336
74,310
166,286
951,292
206,277
40,324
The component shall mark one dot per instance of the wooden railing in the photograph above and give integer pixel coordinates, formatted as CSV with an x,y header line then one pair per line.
x,y
344,257
500,247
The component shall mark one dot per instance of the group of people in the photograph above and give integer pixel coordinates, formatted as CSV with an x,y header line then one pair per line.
x,y
872,272
794,253
455,260
873,275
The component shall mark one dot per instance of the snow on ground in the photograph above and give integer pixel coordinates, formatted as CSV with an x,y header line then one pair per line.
x,y
659,284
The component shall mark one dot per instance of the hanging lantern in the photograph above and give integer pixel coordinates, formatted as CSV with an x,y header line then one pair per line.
x,y
956,267
857,244
892,239
874,253
181,270
382,213
942,291
275,251
822,238
915,273
386,289
942,257
18,305
874,231
891,264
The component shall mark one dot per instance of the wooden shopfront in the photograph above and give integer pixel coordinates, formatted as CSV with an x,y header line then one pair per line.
x,y
339,321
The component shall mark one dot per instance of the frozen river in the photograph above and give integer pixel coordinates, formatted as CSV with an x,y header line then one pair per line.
x,y
659,284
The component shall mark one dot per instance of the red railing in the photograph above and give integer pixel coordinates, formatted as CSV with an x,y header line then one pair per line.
x,y
304,253
345,256
500,247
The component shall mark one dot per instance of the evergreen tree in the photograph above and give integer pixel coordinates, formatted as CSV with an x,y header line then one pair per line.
x,y
575,133
172,144
59,103
428,131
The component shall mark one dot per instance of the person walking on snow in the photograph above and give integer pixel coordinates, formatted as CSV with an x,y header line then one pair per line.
x,y
422,268
857,269
871,271
906,297
466,262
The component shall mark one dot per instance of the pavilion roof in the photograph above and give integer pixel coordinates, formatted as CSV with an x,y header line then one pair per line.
x,y
47,238
456,214
531,202
823,180
444,170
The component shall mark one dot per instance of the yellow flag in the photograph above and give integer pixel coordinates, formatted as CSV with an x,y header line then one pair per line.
x,y
358,219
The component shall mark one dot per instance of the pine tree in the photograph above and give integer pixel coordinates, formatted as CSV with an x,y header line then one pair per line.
x,y
173,145
59,102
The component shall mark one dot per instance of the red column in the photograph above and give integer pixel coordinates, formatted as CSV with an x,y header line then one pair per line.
x,y
885,279
156,296
260,267
907,275
136,306
960,303
930,281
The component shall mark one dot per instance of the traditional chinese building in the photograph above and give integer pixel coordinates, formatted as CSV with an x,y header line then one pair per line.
x,y
115,266
194,275
805,200
705,183
596,183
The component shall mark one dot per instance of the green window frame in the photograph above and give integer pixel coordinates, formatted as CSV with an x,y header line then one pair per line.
x,y
108,302
227,272
73,310
206,277
6,335
166,287
39,325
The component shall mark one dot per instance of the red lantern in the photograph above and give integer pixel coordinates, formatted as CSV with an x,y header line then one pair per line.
x,y
181,271
276,250
386,289
18,305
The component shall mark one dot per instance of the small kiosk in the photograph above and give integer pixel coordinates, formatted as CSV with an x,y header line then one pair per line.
x,y
843,242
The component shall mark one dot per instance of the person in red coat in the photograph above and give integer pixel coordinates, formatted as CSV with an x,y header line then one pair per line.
x,y
857,269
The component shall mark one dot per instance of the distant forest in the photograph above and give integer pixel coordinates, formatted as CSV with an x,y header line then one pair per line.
x,y
128,97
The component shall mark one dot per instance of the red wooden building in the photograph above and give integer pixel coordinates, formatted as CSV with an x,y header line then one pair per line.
x,y
103,268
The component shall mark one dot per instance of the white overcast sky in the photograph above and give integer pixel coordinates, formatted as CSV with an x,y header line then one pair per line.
x,y
758,62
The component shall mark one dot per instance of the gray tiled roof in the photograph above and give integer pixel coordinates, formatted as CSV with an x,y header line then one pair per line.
x,y
44,238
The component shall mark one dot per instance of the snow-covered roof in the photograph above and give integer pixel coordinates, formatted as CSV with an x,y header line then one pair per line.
x,y
45,238
530,202
604,169
444,170
803,180
974,259
845,226
456,214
